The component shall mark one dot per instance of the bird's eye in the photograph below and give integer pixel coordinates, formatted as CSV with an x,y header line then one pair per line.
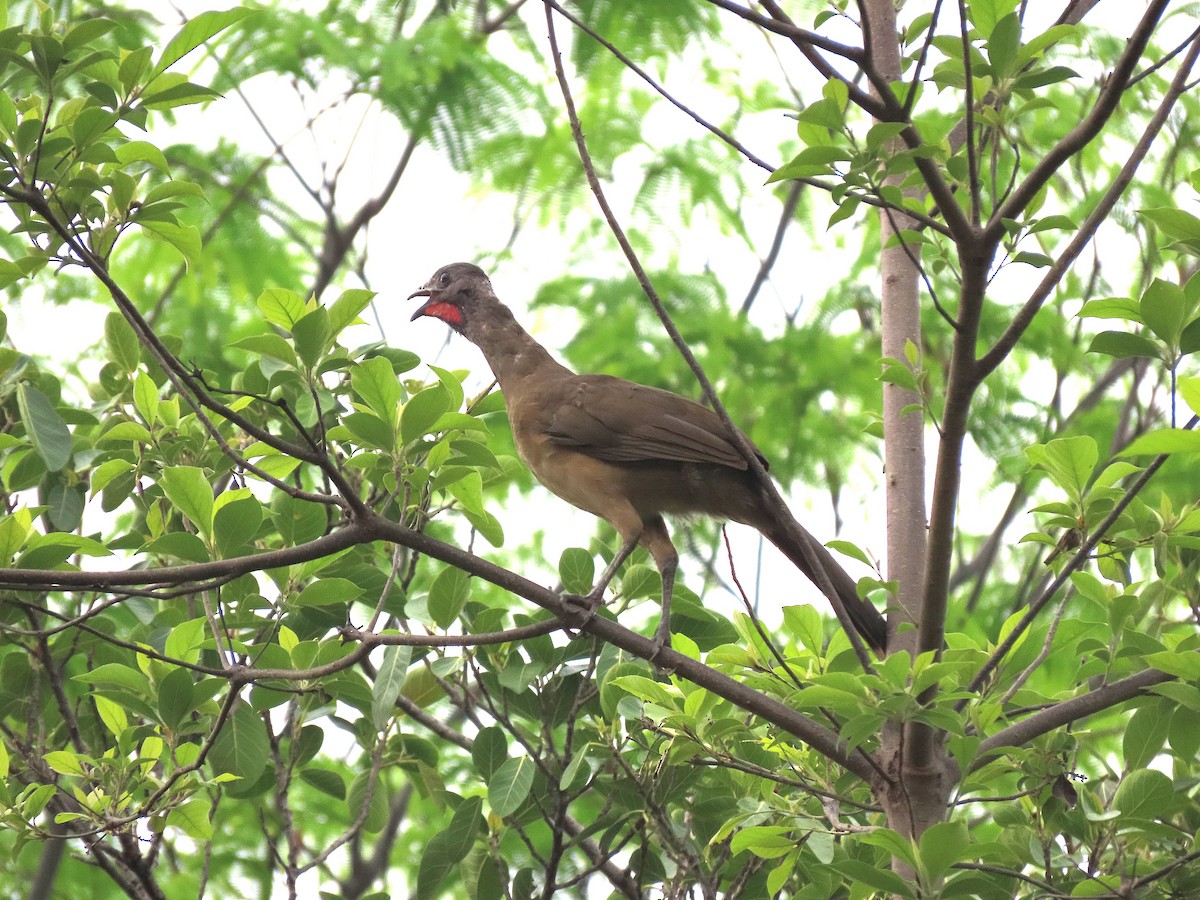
x,y
445,279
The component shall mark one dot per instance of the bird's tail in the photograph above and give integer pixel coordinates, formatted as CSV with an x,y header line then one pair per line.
x,y
804,551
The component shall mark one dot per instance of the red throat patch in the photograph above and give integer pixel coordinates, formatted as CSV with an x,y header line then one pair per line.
x,y
447,312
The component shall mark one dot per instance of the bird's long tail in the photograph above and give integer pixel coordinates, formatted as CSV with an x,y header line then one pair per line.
x,y
863,615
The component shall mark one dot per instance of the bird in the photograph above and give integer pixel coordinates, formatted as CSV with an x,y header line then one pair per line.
x,y
626,452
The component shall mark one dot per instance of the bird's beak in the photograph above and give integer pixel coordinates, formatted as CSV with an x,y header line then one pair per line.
x,y
423,292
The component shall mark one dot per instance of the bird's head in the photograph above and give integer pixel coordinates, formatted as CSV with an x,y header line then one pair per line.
x,y
455,292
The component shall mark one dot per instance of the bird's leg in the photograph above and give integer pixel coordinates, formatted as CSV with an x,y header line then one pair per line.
x,y
595,597
662,637
657,540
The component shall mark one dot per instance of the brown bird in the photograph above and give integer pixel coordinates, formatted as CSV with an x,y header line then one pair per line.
x,y
625,452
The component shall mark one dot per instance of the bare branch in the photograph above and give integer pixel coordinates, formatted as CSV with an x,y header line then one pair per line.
x,y
786,217
642,74
1068,711
1083,133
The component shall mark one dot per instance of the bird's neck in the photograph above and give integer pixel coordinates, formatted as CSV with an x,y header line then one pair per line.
x,y
510,350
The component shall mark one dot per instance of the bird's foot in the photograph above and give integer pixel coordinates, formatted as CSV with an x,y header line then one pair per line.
x,y
587,605
662,641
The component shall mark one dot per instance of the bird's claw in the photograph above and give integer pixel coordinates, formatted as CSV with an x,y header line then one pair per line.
x,y
662,641
587,606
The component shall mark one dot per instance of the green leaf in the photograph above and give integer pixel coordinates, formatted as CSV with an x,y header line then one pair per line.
x,y
326,781
1114,307
142,151
172,93
184,238
1145,734
764,841
376,384
235,524
647,689
640,581
1173,222
489,751
64,762
1181,665
193,818
577,570
111,714
122,343
328,590
1029,258
377,810
126,431
1002,45
281,307
452,383
1184,732
64,505
421,411
447,849
84,33
448,595
1039,43
779,876
810,162
116,675
1070,462
241,748
345,309
271,345
1144,794
297,520
942,845
1189,341
488,526
1189,390
312,336
368,430
986,13
145,398
188,489
893,844
44,551
859,872
804,624
175,693
180,544
183,641
106,472
389,679
91,124
1163,310
468,491
44,426
198,30
1166,440
510,785
1123,345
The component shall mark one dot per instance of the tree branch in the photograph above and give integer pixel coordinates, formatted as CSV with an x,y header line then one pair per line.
x,y
1068,711
990,360
1083,133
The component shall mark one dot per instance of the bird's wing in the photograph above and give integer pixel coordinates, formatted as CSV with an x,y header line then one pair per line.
x,y
619,421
